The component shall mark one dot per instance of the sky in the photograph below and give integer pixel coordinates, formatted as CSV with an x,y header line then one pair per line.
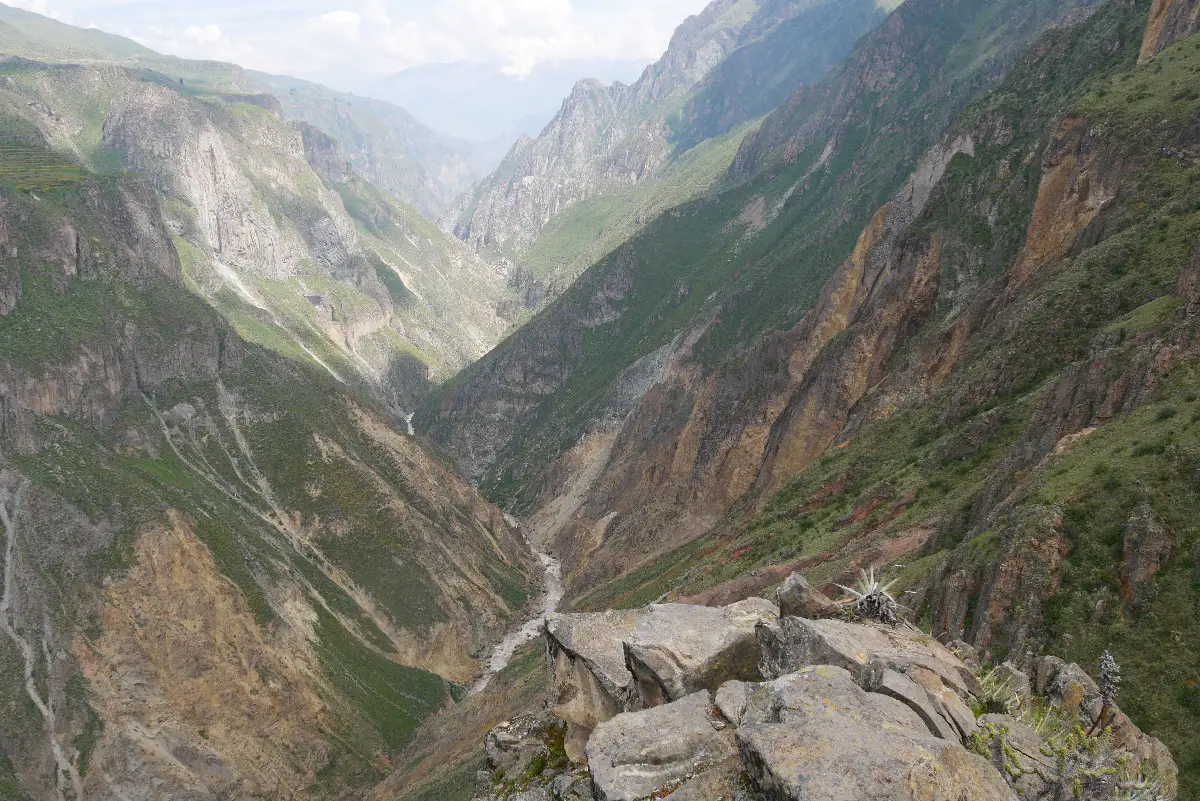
x,y
350,44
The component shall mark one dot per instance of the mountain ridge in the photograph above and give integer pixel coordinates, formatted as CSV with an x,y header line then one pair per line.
x,y
606,140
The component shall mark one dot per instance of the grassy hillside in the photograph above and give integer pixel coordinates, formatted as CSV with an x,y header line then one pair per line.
x,y
1018,499
317,550
750,259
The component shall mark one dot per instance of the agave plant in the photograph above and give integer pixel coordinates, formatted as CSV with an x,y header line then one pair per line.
x,y
997,695
872,599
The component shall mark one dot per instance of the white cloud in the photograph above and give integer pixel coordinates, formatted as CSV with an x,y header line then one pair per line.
x,y
358,40
204,34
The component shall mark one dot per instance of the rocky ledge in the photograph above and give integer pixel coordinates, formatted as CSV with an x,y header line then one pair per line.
x,y
801,700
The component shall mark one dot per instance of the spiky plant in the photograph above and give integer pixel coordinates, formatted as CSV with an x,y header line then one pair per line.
x,y
1046,721
997,696
872,599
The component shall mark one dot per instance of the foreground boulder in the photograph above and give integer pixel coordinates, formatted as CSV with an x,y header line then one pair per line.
x,y
591,682
670,701
798,598
794,643
677,649
677,749
815,734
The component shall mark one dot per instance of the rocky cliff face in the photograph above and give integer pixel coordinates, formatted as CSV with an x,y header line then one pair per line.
x,y
608,138
1170,21
277,226
223,573
937,409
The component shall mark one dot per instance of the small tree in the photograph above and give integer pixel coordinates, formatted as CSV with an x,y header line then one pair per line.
x,y
1110,687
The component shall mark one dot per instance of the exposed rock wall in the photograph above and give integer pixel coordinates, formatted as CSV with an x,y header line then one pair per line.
x,y
1170,21
169,140
196,695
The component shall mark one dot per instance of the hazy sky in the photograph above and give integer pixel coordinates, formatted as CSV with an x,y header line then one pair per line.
x,y
350,42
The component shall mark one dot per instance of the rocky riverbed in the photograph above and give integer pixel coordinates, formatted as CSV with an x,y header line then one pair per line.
x,y
547,603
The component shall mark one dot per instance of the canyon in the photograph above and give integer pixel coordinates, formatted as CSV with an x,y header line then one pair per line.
x,y
304,496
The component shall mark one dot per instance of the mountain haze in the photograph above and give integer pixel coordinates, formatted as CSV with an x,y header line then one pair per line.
x,y
481,102
608,143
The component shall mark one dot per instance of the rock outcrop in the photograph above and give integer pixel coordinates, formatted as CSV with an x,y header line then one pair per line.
x,y
591,684
679,748
852,711
817,734
1170,21
677,650
798,598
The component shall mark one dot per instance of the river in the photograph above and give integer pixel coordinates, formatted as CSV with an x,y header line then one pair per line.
x,y
548,601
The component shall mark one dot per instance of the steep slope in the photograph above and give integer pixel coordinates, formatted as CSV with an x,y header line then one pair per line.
x,y
386,143
786,45
224,575
992,398
275,226
1006,413
609,139
706,280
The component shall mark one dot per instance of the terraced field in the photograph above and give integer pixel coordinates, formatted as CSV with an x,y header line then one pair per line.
x,y
32,169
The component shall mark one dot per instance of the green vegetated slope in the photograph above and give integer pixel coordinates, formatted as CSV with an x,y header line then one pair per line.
x,y
448,750
591,229
1027,465
28,35
291,582
742,262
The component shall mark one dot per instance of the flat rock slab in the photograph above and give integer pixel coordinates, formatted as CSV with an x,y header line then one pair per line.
x,y
679,649
794,643
597,639
643,754
591,682
815,735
